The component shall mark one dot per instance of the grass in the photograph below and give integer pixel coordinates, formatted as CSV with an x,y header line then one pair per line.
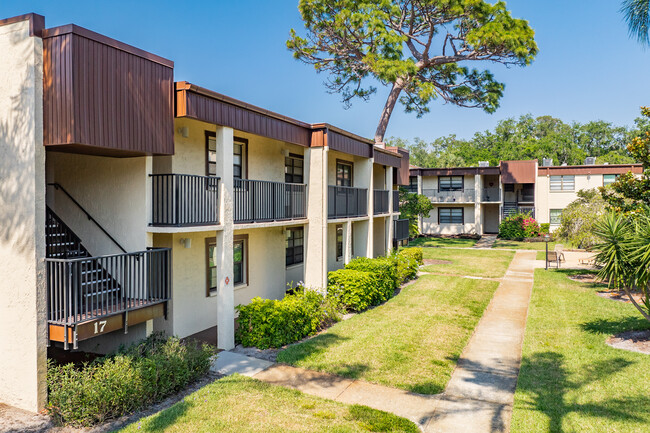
x,y
239,404
411,342
477,263
442,242
520,245
570,380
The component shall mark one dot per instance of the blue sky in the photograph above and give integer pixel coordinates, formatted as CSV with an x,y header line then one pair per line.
x,y
587,69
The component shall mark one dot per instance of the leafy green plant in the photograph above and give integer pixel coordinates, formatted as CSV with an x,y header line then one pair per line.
x,y
519,226
358,290
545,228
385,267
268,323
408,262
579,218
411,207
124,382
624,254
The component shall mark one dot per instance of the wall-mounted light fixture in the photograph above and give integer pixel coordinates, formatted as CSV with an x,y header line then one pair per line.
x,y
184,131
285,152
186,242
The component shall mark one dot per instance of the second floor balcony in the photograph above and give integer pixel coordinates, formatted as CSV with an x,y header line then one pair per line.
x,y
491,195
380,200
257,201
450,196
181,200
346,202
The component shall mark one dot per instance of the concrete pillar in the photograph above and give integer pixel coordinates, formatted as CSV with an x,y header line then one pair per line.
x,y
363,178
23,310
478,190
225,292
420,224
389,220
316,236
347,242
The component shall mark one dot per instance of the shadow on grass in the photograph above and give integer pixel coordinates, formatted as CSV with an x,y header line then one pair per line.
x,y
162,420
615,326
545,380
442,242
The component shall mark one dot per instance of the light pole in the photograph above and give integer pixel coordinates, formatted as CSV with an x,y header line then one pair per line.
x,y
547,237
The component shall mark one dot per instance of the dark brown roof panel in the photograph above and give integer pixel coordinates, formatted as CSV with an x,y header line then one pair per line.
x,y
402,172
451,171
389,158
349,145
519,171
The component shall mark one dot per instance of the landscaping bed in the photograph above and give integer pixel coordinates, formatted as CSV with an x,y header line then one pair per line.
x,y
237,404
411,342
470,262
570,378
456,241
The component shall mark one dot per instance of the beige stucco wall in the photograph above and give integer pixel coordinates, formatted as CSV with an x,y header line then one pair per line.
x,y
317,235
380,176
22,220
431,182
332,262
545,200
379,235
430,225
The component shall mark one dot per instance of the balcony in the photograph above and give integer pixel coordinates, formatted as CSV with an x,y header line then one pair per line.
x,y
401,230
91,296
346,202
257,201
395,201
380,200
457,196
491,195
509,209
181,200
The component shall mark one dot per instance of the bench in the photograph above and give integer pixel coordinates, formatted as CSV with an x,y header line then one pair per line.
x,y
553,256
559,250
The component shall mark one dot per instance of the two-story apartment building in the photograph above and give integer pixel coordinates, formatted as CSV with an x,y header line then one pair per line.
x,y
474,200
131,203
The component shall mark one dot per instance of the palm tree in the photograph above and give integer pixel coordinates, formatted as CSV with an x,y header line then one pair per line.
x,y
637,15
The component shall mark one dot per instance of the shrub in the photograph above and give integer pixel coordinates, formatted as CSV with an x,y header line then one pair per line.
x,y
385,267
545,228
579,220
268,323
358,290
518,227
124,382
408,262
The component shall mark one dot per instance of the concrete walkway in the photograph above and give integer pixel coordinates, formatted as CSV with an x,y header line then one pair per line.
x,y
480,393
486,241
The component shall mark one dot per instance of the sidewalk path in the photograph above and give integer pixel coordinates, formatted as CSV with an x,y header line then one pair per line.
x,y
480,393
486,241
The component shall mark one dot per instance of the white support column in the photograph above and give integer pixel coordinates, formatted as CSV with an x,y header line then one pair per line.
x,y
478,190
420,223
389,220
363,178
347,242
316,239
23,309
225,291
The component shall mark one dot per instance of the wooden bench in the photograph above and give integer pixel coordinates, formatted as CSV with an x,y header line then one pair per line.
x,y
553,256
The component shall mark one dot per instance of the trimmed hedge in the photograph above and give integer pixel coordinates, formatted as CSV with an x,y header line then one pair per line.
x,y
357,290
266,323
122,383
408,262
385,267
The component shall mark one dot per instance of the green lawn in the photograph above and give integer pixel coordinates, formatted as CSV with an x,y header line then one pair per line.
x,y
411,342
570,380
477,263
520,245
442,242
237,404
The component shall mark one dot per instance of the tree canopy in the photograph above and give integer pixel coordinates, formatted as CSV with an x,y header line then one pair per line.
x,y
637,15
530,138
420,49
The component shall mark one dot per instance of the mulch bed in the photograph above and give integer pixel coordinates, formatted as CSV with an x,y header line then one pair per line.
x,y
635,341
619,295
437,262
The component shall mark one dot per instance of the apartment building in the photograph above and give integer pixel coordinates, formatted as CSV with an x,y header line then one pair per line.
x,y
131,203
474,200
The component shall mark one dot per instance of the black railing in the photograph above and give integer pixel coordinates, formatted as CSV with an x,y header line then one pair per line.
x,y
395,201
184,200
345,202
87,288
442,196
509,209
380,201
491,194
401,230
264,201
61,242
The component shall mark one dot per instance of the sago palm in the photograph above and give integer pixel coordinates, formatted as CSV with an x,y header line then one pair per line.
x,y
637,16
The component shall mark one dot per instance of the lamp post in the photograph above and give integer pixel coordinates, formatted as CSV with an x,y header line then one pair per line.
x,y
547,237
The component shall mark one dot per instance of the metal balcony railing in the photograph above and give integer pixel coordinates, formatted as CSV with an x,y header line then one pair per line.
x,y
184,200
265,201
395,201
401,230
459,196
345,202
491,194
380,201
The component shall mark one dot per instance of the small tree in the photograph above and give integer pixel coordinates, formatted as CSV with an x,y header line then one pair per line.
x,y
624,254
418,48
579,219
412,206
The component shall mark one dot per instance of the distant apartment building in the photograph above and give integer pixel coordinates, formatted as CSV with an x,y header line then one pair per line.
x,y
475,199
131,203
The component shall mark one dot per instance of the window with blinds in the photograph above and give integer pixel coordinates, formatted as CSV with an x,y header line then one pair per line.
x,y
563,183
450,215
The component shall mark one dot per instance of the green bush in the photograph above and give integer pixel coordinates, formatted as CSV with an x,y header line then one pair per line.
x,y
545,228
408,262
358,290
385,267
268,323
519,226
121,383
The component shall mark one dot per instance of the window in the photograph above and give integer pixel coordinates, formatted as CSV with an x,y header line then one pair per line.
x,y
339,241
210,154
239,260
563,183
295,245
450,215
211,260
609,179
343,173
450,183
555,216
293,169
413,184
240,146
